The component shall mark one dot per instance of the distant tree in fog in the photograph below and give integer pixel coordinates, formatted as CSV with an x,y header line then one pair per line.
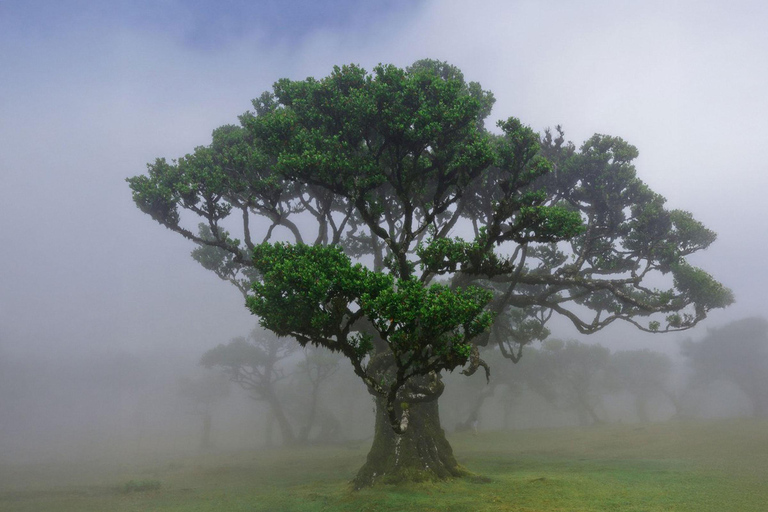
x,y
318,366
643,374
570,375
256,364
202,393
514,329
738,353
472,394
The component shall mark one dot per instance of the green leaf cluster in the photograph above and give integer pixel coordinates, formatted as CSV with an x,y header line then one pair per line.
x,y
700,288
390,165
449,255
352,131
428,322
308,290
315,292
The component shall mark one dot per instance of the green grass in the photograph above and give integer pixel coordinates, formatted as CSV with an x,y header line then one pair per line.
x,y
676,466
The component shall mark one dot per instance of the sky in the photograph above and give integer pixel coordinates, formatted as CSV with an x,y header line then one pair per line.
x,y
92,91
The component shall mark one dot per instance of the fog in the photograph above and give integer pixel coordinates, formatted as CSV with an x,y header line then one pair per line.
x,y
103,312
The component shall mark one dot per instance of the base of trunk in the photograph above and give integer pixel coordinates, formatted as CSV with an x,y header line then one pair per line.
x,y
421,454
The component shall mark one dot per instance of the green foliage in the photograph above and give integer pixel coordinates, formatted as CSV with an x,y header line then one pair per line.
x,y
389,166
547,224
224,263
700,287
313,292
158,194
352,132
449,255
432,321
306,291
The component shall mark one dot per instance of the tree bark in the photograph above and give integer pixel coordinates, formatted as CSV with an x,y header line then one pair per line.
x,y
422,453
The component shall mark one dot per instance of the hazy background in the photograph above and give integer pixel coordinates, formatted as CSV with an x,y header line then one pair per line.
x,y
92,91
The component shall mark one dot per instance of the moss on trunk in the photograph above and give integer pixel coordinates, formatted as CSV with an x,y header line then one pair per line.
x,y
422,453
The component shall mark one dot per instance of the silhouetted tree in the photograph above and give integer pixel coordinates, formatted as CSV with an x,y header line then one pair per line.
x,y
569,375
202,393
256,364
473,394
643,374
738,353
318,366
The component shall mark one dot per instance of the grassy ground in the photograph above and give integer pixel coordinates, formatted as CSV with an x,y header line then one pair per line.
x,y
676,466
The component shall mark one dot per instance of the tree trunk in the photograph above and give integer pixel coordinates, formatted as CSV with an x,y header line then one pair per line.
x,y
422,453
473,420
307,428
286,431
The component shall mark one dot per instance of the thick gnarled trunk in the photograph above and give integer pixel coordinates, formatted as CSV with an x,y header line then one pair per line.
x,y
422,453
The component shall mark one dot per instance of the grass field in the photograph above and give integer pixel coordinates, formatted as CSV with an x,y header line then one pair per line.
x,y
676,466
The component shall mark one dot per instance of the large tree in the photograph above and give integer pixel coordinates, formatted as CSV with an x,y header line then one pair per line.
x,y
371,180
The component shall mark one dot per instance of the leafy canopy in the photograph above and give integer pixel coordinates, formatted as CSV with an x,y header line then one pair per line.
x,y
376,216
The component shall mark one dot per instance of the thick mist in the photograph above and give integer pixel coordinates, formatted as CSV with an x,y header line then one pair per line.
x,y
153,406
104,316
